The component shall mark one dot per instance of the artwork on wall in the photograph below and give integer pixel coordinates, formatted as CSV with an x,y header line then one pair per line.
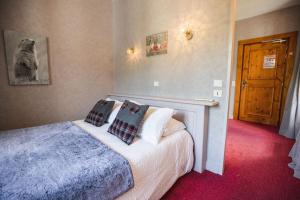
x,y
157,44
26,58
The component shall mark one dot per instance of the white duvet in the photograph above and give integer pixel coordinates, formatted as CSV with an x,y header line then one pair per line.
x,y
155,168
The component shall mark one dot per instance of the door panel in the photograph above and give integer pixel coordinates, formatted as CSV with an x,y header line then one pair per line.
x,y
259,101
262,80
256,71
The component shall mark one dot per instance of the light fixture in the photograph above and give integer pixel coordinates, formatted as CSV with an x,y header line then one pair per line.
x,y
188,33
130,51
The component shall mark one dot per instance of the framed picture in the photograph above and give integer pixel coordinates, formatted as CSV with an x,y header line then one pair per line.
x,y
157,44
26,58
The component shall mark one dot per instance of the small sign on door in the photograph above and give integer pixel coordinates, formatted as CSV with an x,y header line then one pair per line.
x,y
269,61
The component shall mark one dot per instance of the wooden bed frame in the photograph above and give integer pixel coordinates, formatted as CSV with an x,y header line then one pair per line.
x,y
194,113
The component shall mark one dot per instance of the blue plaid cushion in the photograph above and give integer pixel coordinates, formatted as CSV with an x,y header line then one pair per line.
x,y
127,121
100,113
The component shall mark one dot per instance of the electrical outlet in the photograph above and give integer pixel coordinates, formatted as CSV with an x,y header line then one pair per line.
x,y
217,93
218,83
156,83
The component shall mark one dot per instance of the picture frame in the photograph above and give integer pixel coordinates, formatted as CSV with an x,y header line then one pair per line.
x,y
26,58
157,44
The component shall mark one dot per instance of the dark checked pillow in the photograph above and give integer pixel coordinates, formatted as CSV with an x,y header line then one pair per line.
x,y
100,113
127,121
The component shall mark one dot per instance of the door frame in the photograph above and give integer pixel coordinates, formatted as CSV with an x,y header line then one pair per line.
x,y
292,45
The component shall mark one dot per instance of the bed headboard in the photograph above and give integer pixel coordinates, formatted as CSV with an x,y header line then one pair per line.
x,y
194,113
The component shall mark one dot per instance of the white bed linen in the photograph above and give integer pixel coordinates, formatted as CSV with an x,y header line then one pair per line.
x,y
155,168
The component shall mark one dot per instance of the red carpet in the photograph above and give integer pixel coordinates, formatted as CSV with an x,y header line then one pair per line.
x,y
256,167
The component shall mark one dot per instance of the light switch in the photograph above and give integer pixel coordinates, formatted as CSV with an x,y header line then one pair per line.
x,y
233,83
218,83
217,93
156,83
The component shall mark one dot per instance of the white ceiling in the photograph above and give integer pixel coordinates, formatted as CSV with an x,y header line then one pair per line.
x,y
251,8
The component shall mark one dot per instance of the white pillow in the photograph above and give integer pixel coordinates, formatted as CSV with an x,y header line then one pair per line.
x,y
150,110
136,102
173,126
116,109
117,103
155,123
114,113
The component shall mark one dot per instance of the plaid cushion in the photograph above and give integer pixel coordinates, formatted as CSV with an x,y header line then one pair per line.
x,y
95,118
100,112
126,124
123,130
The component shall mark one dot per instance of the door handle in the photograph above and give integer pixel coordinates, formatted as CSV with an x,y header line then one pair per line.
x,y
244,83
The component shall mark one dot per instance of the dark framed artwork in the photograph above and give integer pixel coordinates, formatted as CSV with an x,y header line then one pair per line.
x,y
26,58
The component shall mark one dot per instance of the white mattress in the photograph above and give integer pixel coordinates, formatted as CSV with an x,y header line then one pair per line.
x,y
155,168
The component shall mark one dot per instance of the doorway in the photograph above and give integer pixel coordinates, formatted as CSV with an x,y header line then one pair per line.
x,y
264,71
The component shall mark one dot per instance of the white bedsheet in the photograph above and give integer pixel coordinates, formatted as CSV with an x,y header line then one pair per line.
x,y
155,168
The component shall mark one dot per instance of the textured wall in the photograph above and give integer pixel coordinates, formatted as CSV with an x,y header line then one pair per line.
x,y
189,68
282,21
80,59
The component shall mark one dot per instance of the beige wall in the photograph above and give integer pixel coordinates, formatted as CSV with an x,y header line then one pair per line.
x,y
80,56
282,21
189,68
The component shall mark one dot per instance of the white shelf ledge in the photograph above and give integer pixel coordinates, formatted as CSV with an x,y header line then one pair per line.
x,y
205,102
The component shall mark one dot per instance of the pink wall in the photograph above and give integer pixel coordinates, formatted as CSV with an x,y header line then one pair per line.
x,y
80,60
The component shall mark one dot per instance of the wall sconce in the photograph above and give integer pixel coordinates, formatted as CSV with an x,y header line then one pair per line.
x,y
130,51
188,33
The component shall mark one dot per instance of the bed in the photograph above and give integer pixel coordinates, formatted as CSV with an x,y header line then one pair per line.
x,y
155,168
137,171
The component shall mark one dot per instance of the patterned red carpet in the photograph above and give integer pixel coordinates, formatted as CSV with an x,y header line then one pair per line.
x,y
256,168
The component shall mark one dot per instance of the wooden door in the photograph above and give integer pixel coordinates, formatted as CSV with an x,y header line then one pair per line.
x,y
263,71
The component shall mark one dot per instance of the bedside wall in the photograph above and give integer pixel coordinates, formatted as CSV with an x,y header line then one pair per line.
x,y
80,60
